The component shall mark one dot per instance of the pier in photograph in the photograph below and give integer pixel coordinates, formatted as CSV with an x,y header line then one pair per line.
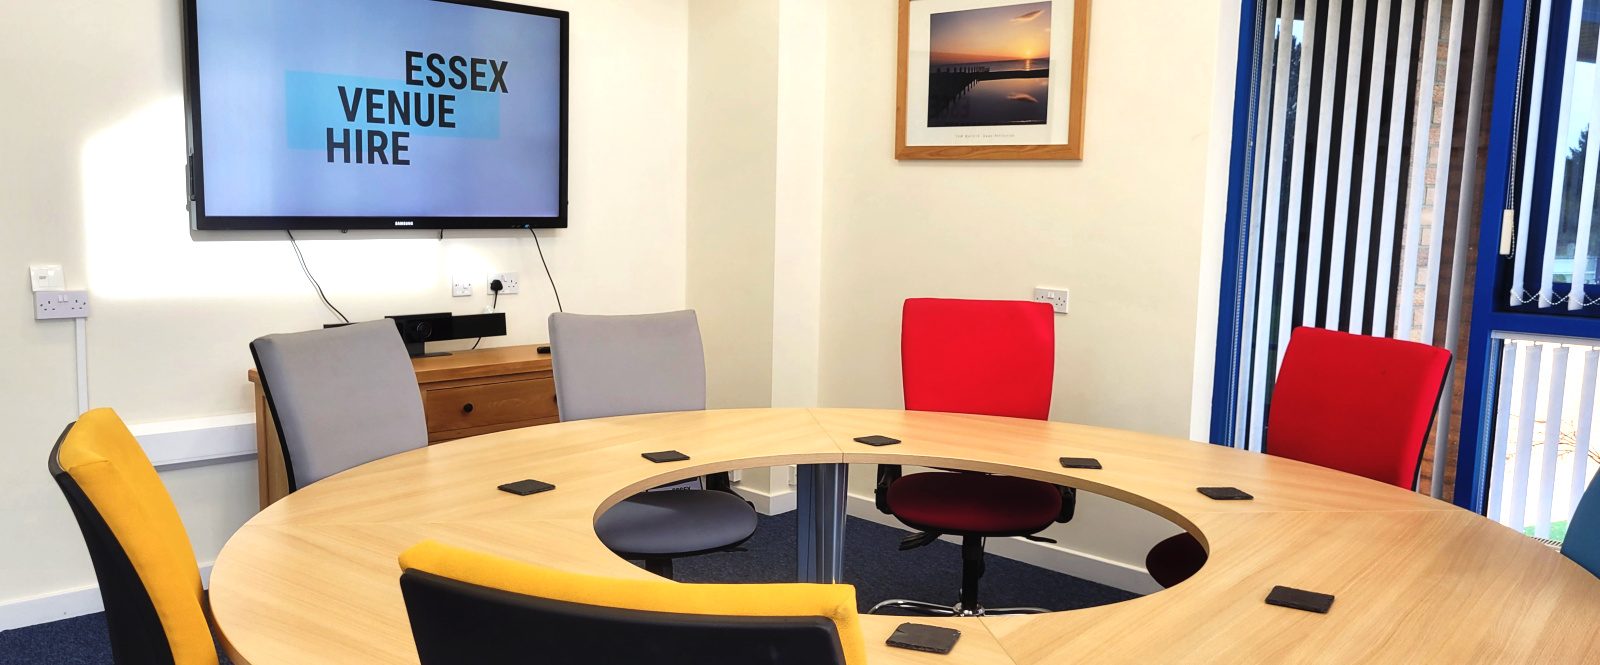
x,y
948,83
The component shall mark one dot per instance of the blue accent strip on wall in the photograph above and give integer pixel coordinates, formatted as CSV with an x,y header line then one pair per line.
x,y
1230,307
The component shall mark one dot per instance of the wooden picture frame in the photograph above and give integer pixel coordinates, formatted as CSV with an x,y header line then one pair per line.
x,y
981,119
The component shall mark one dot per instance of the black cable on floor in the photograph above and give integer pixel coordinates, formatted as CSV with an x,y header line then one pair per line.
x,y
313,279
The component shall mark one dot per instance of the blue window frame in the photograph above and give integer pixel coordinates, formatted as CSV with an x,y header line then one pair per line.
x,y
1492,310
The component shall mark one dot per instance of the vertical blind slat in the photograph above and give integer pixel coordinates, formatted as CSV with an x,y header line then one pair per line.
x,y
1347,140
1555,398
1242,406
1580,444
1532,357
1441,169
1369,163
1381,296
1297,182
1421,149
1508,384
1269,237
1324,157
1580,252
1558,178
1519,268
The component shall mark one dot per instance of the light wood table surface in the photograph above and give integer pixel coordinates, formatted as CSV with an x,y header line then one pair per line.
x,y
314,577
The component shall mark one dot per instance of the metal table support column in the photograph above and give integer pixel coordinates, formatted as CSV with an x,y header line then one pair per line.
x,y
821,508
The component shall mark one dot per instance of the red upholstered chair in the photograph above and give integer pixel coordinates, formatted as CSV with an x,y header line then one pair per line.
x,y
1362,405
983,357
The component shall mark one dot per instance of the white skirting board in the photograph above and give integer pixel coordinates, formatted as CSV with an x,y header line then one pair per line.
x,y
198,440
58,605
768,503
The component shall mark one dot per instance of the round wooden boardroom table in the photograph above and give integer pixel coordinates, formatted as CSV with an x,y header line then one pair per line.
x,y
314,577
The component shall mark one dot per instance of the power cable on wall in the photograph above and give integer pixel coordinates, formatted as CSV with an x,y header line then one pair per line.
x,y
302,257
547,274
494,306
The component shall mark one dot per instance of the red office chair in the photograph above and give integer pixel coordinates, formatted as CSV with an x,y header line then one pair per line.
x,y
984,357
1362,405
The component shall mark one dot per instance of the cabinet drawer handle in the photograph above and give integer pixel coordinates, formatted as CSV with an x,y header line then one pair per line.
x,y
467,408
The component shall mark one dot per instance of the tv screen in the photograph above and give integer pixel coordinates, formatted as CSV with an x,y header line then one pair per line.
x,y
362,114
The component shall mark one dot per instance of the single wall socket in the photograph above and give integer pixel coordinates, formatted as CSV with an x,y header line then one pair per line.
x,y
460,287
510,284
47,278
1057,298
60,305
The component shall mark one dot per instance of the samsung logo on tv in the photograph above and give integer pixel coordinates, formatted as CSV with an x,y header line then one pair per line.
x,y
401,222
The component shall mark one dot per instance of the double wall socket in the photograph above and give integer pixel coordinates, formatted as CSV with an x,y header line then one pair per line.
x,y
60,305
1057,298
510,284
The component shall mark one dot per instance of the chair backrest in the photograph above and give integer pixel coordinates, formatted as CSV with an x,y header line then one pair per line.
x,y
1362,405
1583,531
340,397
470,607
142,557
622,365
989,357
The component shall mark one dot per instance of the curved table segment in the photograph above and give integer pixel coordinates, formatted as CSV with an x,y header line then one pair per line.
x,y
314,578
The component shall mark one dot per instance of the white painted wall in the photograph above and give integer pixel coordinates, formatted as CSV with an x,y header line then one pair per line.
x,y
91,176
1123,230
797,261
755,204
730,155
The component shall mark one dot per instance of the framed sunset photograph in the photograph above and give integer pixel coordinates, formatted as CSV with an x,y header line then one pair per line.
x,y
991,79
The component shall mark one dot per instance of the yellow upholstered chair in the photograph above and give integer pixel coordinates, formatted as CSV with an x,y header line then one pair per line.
x,y
470,607
155,605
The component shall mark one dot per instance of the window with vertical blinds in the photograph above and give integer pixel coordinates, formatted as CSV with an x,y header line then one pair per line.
x,y
1361,182
1555,246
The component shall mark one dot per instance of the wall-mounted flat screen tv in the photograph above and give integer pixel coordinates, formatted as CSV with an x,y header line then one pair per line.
x,y
375,114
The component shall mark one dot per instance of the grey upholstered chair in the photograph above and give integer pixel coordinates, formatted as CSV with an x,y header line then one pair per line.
x,y
341,397
649,363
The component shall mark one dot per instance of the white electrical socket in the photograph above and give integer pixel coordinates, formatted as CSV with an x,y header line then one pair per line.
x,y
510,284
47,278
60,305
460,287
1057,298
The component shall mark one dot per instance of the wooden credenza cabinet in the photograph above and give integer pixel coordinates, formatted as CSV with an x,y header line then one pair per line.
x,y
464,394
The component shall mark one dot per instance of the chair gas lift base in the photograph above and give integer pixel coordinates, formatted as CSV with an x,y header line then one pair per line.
x,y
971,569
983,490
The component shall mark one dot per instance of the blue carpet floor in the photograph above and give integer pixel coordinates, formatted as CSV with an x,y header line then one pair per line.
x,y
872,563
